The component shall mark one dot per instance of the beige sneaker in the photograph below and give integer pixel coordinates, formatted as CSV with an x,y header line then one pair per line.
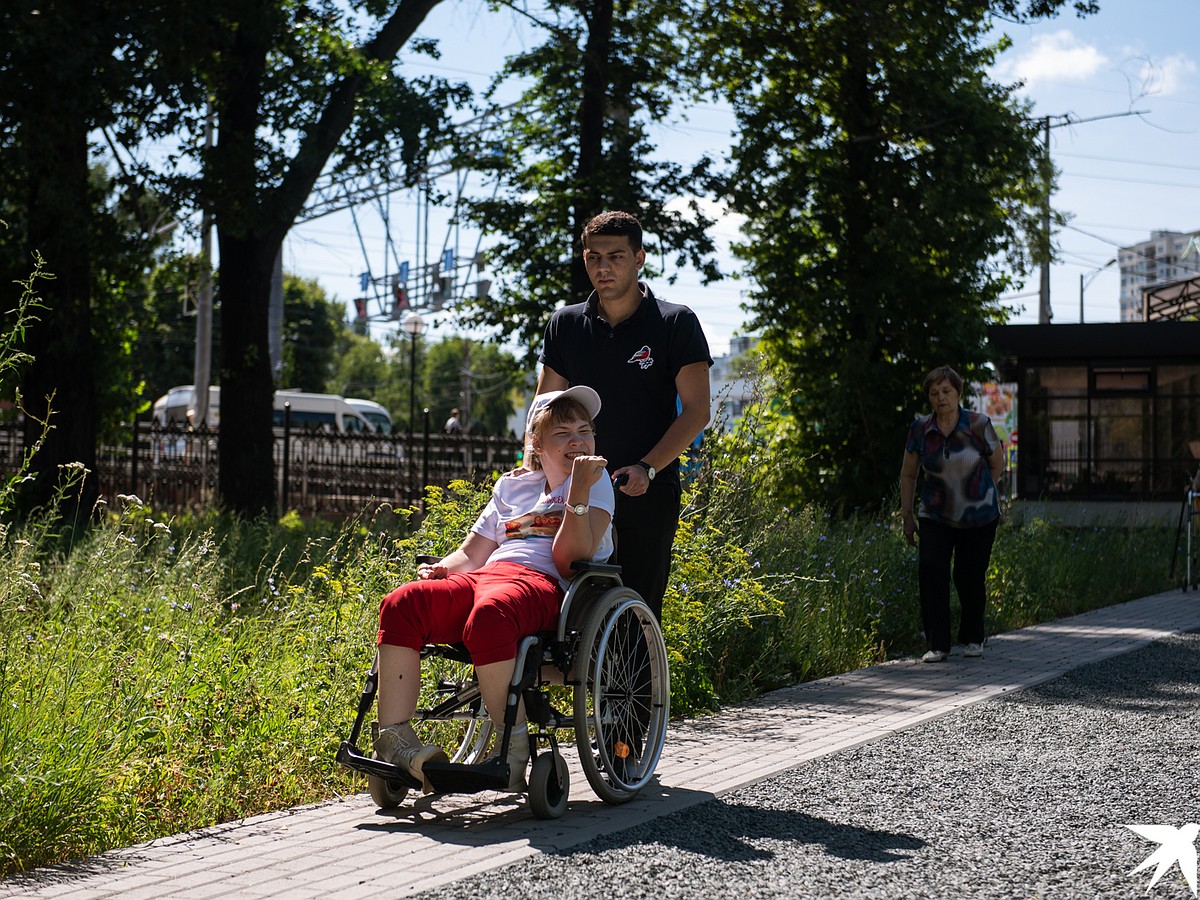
x,y
399,745
518,758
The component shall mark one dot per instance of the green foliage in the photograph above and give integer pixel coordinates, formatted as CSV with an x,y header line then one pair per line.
x,y
450,513
141,697
883,176
577,142
165,346
491,374
1042,570
312,327
360,369
714,615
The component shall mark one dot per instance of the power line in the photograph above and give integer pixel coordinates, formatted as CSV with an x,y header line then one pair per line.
x,y
1170,184
1132,162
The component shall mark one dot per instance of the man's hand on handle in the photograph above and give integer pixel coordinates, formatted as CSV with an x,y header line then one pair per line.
x,y
636,480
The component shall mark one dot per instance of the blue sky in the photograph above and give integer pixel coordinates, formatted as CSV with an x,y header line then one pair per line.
x,y
1125,176
1121,177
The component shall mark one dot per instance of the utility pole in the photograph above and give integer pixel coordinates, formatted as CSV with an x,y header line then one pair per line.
x,y
465,383
1045,314
202,370
1044,311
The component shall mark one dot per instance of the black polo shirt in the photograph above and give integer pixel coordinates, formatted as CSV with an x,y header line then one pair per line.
x,y
632,367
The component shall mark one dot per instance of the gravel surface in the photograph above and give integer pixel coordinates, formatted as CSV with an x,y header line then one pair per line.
x,y
1021,797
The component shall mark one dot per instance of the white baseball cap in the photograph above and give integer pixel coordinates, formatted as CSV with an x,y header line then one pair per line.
x,y
581,393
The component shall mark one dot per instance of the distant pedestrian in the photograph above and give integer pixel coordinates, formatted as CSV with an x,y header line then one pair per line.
x,y
453,426
962,459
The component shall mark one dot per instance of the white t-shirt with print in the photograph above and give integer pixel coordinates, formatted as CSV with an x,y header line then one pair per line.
x,y
523,517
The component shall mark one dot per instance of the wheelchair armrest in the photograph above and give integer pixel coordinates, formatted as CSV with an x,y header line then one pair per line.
x,y
428,560
587,565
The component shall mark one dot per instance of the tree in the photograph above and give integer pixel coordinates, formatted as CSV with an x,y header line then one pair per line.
x,y
68,69
312,325
477,379
577,143
165,346
360,368
295,87
885,180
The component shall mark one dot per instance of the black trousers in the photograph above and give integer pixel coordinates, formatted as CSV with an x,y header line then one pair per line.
x,y
645,531
971,551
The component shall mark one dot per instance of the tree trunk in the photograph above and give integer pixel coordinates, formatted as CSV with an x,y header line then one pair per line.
x,y
60,382
246,438
592,108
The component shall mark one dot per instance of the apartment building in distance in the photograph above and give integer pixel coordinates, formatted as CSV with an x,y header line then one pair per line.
x,y
1153,262
730,390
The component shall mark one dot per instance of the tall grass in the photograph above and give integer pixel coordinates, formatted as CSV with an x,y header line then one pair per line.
x,y
165,676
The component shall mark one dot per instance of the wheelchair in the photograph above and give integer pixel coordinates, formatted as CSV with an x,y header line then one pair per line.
x,y
606,657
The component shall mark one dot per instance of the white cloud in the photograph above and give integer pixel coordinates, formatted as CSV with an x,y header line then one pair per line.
x,y
1058,56
1166,77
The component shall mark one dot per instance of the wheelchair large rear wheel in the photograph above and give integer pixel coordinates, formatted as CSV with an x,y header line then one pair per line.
x,y
623,701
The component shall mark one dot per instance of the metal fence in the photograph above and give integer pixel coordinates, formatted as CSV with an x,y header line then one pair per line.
x,y
174,467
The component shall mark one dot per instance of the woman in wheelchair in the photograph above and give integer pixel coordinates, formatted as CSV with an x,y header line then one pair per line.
x,y
505,581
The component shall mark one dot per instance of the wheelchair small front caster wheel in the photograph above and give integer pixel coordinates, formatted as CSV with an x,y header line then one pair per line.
x,y
386,793
549,785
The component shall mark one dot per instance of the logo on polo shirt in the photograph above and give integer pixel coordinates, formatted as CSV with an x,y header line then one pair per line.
x,y
642,357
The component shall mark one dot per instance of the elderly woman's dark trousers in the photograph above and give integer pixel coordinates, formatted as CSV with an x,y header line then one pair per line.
x,y
965,552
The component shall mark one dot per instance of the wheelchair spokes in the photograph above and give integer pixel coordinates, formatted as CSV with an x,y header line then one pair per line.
x,y
450,711
622,705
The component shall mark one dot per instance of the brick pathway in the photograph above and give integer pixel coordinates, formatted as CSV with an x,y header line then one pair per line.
x,y
345,849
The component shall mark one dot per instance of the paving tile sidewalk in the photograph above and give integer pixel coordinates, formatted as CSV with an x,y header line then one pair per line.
x,y
345,849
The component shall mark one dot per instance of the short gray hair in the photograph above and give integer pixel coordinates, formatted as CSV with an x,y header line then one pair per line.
x,y
942,373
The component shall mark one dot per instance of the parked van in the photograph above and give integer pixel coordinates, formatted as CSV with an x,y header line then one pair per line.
x,y
321,411
307,410
375,413
175,407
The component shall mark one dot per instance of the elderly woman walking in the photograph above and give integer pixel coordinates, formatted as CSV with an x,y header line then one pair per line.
x,y
962,460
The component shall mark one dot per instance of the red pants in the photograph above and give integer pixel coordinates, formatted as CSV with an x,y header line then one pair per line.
x,y
489,610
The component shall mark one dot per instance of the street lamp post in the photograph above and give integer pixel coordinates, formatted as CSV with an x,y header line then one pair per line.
x,y
412,325
1086,278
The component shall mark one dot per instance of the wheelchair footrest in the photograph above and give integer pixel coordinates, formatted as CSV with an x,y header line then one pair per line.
x,y
350,757
456,778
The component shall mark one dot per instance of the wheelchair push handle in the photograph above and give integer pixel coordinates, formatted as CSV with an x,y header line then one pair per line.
x,y
621,480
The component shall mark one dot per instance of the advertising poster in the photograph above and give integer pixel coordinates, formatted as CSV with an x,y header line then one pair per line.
x,y
998,401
